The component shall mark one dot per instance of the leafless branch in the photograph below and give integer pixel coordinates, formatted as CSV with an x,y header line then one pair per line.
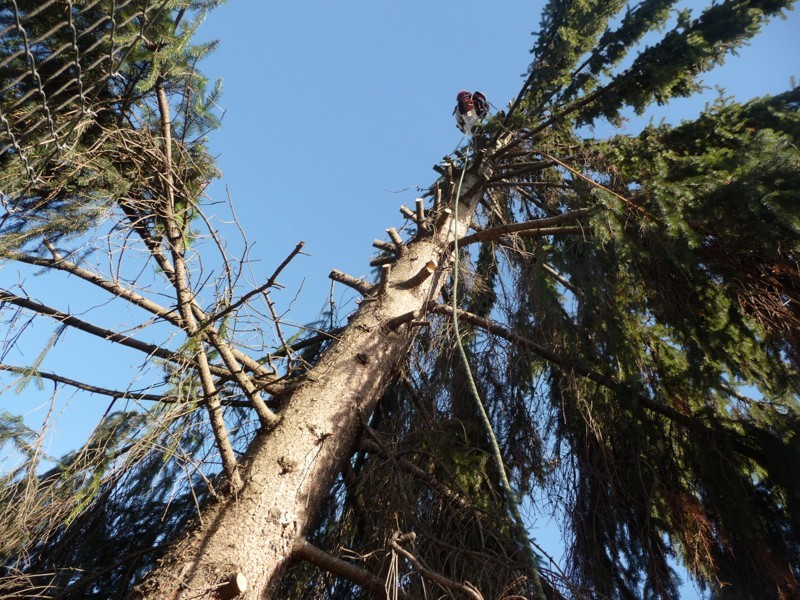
x,y
316,556
440,580
542,227
361,286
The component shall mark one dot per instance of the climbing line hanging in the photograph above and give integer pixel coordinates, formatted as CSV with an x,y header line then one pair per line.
x,y
508,491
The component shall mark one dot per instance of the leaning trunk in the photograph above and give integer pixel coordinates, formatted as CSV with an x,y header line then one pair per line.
x,y
289,470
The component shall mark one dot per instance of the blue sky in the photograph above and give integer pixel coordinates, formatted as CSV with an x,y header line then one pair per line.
x,y
335,112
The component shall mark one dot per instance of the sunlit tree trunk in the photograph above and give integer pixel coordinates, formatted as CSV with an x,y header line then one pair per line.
x,y
289,470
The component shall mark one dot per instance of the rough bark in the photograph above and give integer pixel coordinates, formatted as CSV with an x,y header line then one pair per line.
x,y
289,470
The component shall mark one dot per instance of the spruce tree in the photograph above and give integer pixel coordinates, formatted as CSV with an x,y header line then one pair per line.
x,y
627,308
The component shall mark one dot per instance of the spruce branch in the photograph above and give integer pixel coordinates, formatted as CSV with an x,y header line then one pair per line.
x,y
307,551
86,327
526,229
61,264
396,543
175,237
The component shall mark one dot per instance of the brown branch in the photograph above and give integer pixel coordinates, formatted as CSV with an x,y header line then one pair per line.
x,y
61,264
86,327
440,580
536,227
267,418
117,394
417,280
386,246
420,208
309,341
383,260
271,282
407,212
327,562
186,301
400,247
361,286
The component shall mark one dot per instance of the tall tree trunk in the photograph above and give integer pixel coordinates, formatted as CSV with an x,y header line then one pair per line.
x,y
288,471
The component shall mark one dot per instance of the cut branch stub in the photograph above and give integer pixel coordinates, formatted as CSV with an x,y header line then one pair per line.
x,y
386,246
235,586
385,271
420,277
361,286
407,212
420,207
400,247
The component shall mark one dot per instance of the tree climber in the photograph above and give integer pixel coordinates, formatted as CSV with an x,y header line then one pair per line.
x,y
470,110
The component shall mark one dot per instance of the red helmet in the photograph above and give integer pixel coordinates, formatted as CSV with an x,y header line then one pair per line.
x,y
462,94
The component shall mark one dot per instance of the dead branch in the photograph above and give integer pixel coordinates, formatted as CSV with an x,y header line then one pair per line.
x,y
327,562
466,588
542,227
86,327
61,264
185,297
271,282
385,246
267,418
117,394
400,247
407,212
420,207
361,286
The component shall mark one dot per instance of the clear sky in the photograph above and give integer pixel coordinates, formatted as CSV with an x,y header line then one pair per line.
x,y
335,112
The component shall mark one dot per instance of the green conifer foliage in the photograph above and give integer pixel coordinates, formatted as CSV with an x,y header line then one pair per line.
x,y
631,308
80,130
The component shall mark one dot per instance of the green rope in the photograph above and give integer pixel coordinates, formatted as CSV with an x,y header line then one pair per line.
x,y
510,495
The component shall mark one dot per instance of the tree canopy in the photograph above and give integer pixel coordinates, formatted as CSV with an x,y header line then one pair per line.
x,y
628,307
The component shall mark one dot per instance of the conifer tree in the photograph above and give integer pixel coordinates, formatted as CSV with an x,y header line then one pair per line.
x,y
626,309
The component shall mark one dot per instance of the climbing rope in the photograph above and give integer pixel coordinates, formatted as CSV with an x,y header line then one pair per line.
x,y
510,495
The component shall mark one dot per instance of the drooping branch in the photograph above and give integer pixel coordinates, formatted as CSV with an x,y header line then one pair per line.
x,y
304,550
371,445
688,421
117,394
86,327
61,264
539,227
403,538
127,395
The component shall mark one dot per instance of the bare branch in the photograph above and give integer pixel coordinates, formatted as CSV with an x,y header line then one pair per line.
x,y
465,588
361,286
119,394
186,301
106,334
62,264
318,557
86,387
536,227
271,282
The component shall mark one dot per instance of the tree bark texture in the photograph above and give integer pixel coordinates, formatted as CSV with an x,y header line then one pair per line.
x,y
289,470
